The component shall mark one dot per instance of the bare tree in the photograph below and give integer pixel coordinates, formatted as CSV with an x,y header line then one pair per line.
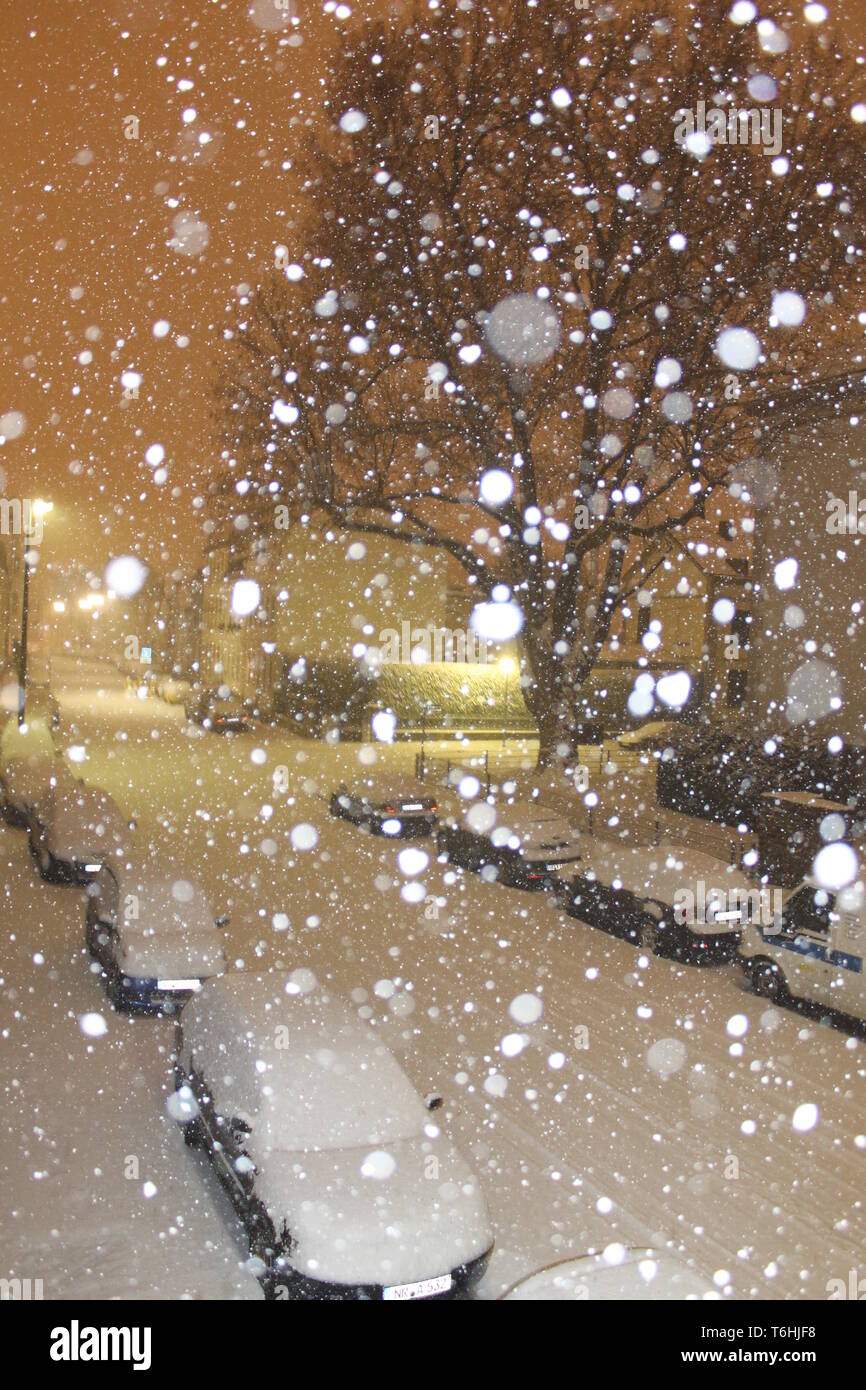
x,y
525,256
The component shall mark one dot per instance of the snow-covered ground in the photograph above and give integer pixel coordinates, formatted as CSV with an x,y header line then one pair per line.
x,y
648,1103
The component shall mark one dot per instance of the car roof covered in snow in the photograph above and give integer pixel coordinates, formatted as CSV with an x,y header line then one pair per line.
x,y
529,820
26,780
165,899
382,787
657,871
72,804
636,1275
298,1065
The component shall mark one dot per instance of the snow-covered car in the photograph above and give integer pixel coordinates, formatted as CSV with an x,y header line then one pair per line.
x,y
814,950
172,689
401,807
74,830
153,934
345,1183
670,900
615,1273
520,843
224,715
27,781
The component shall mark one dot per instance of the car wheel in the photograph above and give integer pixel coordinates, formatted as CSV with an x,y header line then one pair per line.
x,y
193,1134
90,937
768,981
649,936
263,1237
44,862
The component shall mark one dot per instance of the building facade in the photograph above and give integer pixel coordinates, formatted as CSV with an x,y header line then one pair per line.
x,y
340,611
808,654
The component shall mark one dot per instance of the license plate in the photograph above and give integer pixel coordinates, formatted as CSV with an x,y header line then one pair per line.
x,y
425,1288
413,806
92,868
178,984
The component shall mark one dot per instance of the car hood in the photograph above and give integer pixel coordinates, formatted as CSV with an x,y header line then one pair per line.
x,y
426,1217
176,956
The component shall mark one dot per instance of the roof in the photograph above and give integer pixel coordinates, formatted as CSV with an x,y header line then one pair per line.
x,y
316,1076
172,900
660,870
380,786
528,819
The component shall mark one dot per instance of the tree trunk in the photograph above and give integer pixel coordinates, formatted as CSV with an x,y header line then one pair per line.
x,y
547,700
552,700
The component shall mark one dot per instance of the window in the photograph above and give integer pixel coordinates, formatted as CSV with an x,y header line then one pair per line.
x,y
804,914
736,687
741,626
644,618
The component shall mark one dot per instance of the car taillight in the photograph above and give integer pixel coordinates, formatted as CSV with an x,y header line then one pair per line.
x,y
390,810
433,806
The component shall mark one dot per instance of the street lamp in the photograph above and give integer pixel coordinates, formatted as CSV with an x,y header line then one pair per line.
x,y
38,509
507,667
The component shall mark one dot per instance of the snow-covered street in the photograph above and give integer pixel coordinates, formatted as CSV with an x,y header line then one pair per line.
x,y
651,1103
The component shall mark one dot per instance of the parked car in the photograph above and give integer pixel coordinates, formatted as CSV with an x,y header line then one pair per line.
x,y
173,689
527,846
74,830
815,952
669,900
25,782
401,807
324,1147
154,935
634,1275
223,713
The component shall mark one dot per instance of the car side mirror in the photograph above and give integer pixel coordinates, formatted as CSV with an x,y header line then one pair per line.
x,y
222,921
433,1102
